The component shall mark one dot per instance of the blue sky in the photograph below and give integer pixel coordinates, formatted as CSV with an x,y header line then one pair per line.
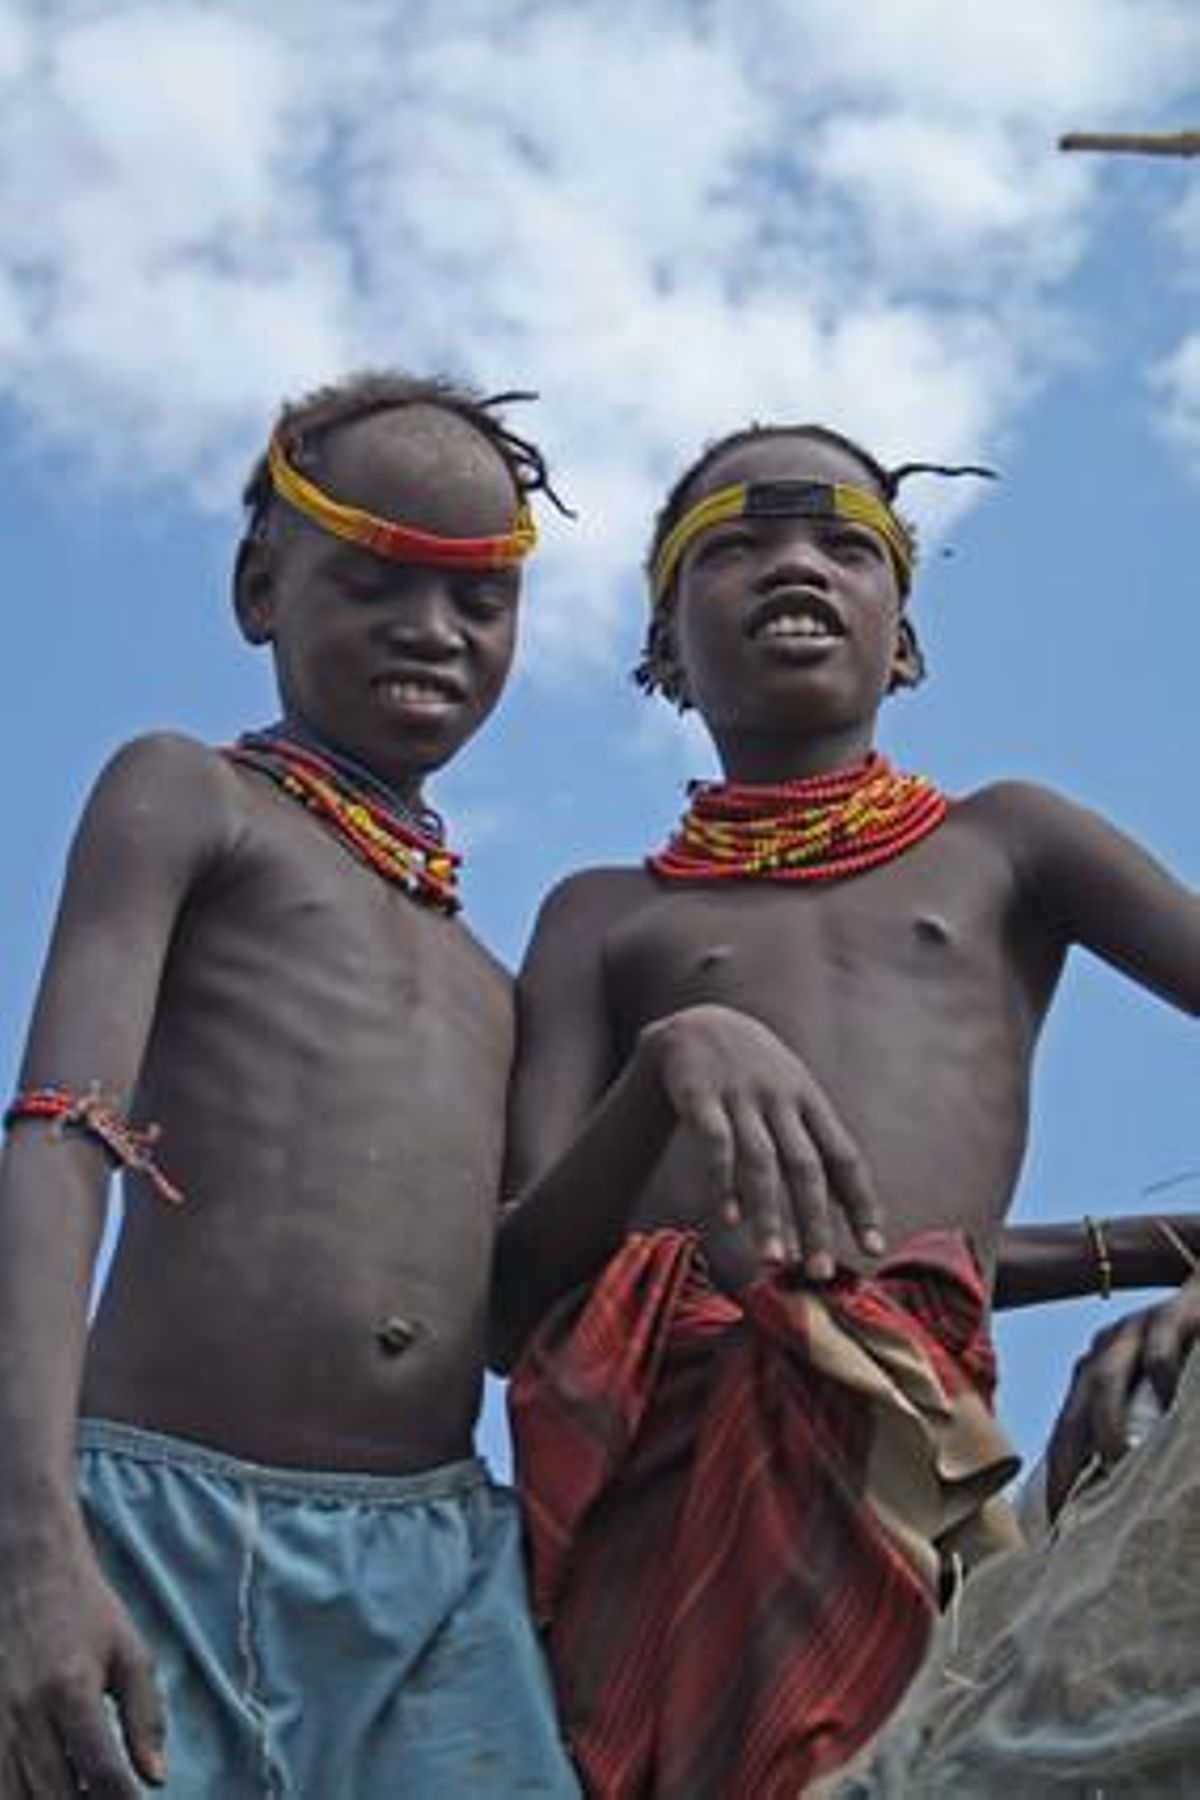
x,y
670,218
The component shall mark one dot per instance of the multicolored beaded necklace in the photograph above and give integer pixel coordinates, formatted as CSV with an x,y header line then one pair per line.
x,y
404,844
814,829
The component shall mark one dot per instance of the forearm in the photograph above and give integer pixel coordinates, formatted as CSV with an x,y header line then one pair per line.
x,y
560,1231
1036,1263
52,1199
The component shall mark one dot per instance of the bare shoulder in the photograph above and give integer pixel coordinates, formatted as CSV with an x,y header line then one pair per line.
x,y
1018,808
1038,826
567,951
157,820
160,797
1092,884
587,904
594,889
163,770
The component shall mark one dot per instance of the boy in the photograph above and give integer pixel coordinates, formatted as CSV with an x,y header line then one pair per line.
x,y
747,1448
281,1516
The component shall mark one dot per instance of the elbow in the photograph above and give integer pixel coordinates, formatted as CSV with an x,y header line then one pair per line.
x,y
505,1334
506,1340
503,1339
500,1359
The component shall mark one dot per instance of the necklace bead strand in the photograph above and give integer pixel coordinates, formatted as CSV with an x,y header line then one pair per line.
x,y
409,854
819,828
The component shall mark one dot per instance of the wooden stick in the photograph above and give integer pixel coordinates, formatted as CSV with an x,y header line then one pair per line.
x,y
1135,143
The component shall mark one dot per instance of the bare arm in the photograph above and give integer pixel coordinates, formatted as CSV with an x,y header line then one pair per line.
x,y
1086,883
144,837
576,1155
1036,1263
583,1142
1091,885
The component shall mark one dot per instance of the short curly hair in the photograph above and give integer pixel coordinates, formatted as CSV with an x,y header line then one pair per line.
x,y
304,424
659,670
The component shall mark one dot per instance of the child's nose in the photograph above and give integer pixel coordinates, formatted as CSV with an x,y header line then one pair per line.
x,y
422,616
795,556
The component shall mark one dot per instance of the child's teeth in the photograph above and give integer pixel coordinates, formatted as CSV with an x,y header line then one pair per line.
x,y
793,625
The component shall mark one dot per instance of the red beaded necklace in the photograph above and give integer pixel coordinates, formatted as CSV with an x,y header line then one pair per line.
x,y
409,852
814,829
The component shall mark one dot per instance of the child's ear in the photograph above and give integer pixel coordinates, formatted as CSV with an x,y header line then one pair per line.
x,y
254,590
908,662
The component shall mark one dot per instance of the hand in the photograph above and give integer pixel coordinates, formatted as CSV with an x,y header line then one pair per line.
x,y
1151,1345
774,1152
66,1642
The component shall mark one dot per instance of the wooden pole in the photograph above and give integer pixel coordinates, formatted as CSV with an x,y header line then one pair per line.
x,y
1134,143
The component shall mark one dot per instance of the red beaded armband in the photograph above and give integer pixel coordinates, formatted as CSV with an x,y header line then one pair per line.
x,y
90,1113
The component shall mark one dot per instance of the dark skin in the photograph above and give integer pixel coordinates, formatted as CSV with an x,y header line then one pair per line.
x,y
223,966
1148,1346
802,1072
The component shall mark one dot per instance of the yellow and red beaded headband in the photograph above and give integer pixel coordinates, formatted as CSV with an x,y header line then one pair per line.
x,y
403,543
783,500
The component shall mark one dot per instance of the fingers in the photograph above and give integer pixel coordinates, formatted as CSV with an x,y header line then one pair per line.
x,y
93,1753
1069,1451
804,1179
16,1783
770,1166
93,1750
759,1187
63,1741
1171,1332
775,1155
140,1708
1093,1421
68,1748
741,1171
37,1763
847,1173
713,1130
1112,1377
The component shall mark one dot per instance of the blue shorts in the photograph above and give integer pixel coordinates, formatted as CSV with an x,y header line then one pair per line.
x,y
326,1636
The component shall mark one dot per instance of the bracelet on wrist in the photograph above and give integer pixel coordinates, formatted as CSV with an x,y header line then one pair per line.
x,y
128,1146
1100,1255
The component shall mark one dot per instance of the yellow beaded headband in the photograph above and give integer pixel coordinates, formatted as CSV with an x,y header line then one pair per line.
x,y
783,500
403,543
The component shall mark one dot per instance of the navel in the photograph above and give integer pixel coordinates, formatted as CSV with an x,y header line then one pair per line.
x,y
713,958
931,929
396,1335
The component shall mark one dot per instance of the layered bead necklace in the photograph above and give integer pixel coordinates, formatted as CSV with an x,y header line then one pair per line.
x,y
816,828
405,845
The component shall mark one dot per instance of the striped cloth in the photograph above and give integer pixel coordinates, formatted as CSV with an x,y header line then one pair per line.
x,y
738,1511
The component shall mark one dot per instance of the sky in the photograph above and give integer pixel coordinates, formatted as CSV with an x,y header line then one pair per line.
x,y
670,218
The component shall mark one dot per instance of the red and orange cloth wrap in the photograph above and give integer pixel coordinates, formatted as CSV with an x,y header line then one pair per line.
x,y
740,1512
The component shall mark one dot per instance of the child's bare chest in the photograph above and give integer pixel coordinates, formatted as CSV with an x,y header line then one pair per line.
x,y
924,936
302,944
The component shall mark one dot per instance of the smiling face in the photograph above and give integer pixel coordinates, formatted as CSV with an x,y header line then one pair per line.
x,y
395,664
787,628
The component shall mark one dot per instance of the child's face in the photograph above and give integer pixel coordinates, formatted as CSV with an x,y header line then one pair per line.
x,y
395,664
786,625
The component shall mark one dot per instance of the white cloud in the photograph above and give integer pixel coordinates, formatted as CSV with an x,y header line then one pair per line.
x,y
944,204
669,216
1182,222
1039,65
1176,382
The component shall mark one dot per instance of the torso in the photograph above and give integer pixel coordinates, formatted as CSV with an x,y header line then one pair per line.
x,y
913,992
328,1066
